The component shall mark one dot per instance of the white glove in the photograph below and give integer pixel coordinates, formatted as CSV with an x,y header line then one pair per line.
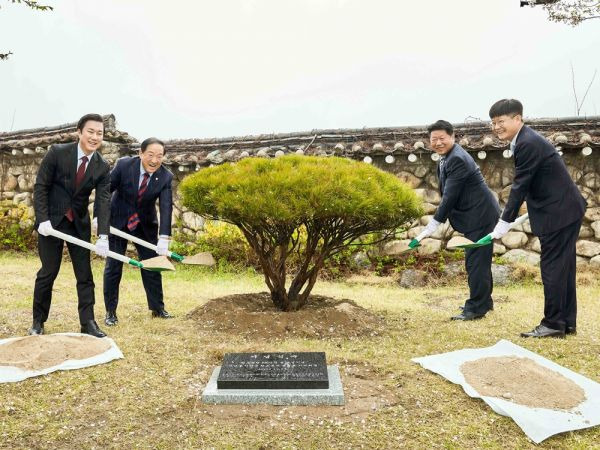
x,y
45,228
500,229
95,225
162,247
429,229
102,246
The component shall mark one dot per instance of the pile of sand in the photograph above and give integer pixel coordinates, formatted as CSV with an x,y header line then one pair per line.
x,y
40,352
522,381
255,316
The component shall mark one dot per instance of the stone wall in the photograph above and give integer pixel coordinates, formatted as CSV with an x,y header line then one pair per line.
x,y
402,151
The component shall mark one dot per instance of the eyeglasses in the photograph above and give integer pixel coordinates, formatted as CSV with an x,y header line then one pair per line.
x,y
500,123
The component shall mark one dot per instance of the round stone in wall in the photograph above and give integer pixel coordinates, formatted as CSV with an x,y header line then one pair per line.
x,y
596,227
429,246
522,256
514,239
588,249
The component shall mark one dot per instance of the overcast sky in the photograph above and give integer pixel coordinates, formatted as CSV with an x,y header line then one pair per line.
x,y
183,69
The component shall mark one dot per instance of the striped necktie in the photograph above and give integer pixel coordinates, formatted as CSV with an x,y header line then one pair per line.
x,y
134,219
78,179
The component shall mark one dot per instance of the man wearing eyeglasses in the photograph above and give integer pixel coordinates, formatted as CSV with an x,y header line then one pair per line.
x,y
555,207
472,210
136,184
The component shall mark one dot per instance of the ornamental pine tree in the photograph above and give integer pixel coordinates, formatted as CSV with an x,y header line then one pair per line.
x,y
331,202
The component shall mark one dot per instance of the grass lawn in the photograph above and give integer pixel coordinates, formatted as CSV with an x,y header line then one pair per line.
x,y
150,398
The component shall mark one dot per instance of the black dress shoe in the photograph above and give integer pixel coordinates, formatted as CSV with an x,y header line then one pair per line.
x,y
571,330
467,316
37,328
91,328
462,308
542,331
111,318
161,313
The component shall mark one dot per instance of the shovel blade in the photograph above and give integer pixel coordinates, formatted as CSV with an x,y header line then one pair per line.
x,y
157,264
200,259
463,242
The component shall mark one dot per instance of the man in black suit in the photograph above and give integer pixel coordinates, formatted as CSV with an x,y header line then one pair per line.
x,y
472,210
136,184
555,207
67,175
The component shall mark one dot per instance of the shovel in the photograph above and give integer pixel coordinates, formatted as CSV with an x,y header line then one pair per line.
x,y
486,240
90,246
204,259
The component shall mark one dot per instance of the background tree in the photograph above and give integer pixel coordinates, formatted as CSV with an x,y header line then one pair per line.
x,y
33,5
572,12
313,206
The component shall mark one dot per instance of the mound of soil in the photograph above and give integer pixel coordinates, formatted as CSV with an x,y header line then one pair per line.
x,y
41,352
255,315
523,381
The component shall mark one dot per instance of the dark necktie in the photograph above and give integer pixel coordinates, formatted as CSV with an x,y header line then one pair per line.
x,y
134,219
78,179
442,175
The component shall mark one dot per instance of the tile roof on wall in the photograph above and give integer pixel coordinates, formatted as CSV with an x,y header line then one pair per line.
x,y
566,133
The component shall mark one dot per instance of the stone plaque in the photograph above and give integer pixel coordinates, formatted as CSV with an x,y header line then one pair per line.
x,y
303,370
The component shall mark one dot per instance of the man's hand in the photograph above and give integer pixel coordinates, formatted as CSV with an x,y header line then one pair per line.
x,y
45,228
102,246
429,230
162,247
95,226
501,229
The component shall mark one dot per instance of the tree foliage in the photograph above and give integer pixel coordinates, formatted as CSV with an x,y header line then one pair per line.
x,y
573,12
330,201
33,4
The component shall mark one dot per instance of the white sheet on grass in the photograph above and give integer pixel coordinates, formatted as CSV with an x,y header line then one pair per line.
x,y
537,423
10,374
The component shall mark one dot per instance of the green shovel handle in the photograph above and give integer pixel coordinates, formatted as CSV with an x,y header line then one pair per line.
x,y
414,244
176,256
135,263
485,240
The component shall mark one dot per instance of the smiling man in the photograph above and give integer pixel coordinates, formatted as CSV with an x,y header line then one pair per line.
x,y
67,175
136,184
555,207
472,210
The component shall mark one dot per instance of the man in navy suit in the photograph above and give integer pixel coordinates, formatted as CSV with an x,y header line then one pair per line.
x,y
555,207
472,210
67,175
136,183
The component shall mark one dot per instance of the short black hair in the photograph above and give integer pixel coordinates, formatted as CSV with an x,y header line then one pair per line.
x,y
85,119
506,107
153,140
441,125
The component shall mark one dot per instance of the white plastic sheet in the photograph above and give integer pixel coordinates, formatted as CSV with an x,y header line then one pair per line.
x,y
537,423
10,374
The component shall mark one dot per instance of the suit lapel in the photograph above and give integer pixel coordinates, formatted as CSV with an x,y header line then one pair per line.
x,y
72,165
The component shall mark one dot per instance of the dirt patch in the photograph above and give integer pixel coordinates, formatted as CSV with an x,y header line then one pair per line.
x,y
254,315
364,389
522,381
41,352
